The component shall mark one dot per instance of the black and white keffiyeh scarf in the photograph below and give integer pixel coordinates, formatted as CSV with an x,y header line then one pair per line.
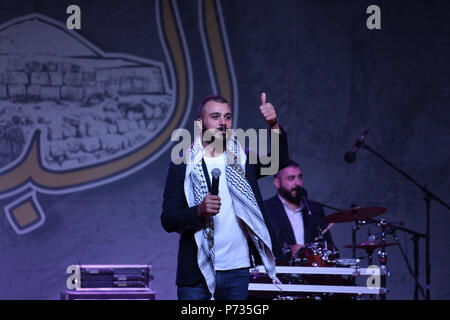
x,y
244,203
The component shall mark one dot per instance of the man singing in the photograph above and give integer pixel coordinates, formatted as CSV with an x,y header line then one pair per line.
x,y
221,235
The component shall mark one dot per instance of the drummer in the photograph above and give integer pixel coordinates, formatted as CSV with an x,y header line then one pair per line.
x,y
286,211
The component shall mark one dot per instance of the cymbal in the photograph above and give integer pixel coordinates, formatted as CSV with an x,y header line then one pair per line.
x,y
355,214
370,245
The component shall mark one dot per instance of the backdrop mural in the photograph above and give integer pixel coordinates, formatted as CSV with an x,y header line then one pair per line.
x,y
86,117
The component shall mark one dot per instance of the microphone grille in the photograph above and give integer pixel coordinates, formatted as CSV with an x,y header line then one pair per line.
x,y
215,173
301,192
349,157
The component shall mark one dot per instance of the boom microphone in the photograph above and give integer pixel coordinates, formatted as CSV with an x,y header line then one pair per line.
x,y
215,173
350,156
303,195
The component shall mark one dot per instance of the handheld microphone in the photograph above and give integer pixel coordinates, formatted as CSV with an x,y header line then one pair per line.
x,y
303,195
215,173
350,156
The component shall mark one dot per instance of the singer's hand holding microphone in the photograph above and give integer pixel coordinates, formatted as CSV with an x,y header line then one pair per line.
x,y
210,205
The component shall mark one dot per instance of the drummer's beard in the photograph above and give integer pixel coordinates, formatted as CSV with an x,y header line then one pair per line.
x,y
287,194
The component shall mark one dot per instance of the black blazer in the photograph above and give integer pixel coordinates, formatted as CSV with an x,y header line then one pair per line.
x,y
282,226
178,217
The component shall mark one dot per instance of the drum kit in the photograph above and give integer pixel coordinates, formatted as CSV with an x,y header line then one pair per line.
x,y
315,258
319,255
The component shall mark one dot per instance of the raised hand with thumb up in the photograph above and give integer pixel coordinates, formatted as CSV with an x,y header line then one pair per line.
x,y
268,112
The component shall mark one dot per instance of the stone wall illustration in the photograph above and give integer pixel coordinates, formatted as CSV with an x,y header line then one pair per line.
x,y
95,113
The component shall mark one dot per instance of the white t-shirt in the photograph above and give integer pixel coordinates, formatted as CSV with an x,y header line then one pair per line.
x,y
230,243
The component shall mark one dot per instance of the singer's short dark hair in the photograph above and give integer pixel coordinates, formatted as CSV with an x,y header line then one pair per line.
x,y
291,163
216,98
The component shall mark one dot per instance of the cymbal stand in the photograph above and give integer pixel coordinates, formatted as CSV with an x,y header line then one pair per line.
x,y
354,230
320,238
369,262
370,238
382,256
392,228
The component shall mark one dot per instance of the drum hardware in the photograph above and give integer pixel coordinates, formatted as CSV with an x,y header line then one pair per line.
x,y
382,255
356,227
362,216
320,238
353,263
299,261
317,256
355,214
391,228
322,233
321,259
369,246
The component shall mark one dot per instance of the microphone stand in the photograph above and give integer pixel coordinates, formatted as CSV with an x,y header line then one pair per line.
x,y
327,206
428,197
415,275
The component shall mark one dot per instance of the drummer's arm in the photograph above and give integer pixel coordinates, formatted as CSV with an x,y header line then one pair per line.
x,y
323,226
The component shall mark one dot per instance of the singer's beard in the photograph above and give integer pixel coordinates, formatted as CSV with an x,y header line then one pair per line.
x,y
222,137
223,141
287,194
